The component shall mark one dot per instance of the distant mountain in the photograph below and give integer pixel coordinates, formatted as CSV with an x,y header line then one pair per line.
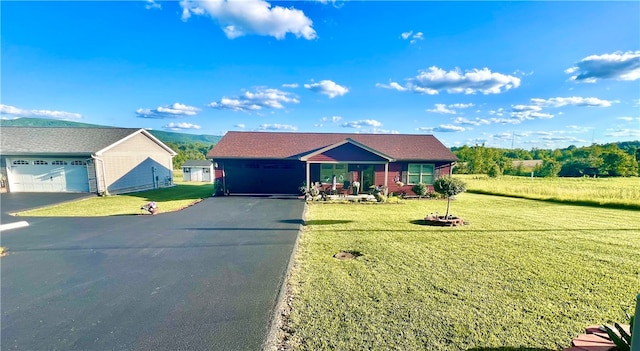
x,y
43,122
165,137
183,138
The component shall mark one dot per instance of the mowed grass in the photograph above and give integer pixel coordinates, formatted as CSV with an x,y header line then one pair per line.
x,y
613,192
167,199
524,274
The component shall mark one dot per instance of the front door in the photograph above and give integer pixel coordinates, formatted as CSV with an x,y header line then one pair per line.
x,y
367,178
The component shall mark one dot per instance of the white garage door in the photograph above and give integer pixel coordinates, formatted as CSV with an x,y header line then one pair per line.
x,y
47,175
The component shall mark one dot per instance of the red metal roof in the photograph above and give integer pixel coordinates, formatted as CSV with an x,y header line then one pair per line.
x,y
273,145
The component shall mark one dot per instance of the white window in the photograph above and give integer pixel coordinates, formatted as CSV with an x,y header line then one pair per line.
x,y
20,162
420,173
59,163
328,170
78,163
40,162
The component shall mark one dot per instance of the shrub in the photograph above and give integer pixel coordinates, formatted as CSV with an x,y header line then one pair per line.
x,y
380,197
420,189
494,171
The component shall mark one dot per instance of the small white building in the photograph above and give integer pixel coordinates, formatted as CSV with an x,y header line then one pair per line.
x,y
197,171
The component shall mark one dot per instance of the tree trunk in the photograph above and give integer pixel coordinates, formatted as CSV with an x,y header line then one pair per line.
x,y
446,216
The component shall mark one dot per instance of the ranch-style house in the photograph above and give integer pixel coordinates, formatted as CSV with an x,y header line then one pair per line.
x,y
280,163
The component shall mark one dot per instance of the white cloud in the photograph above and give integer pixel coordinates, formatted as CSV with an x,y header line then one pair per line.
x,y
243,17
327,87
474,122
416,37
18,112
334,119
461,105
441,108
413,37
628,119
240,125
362,123
392,85
506,120
435,80
168,111
623,133
257,100
406,35
181,126
498,112
277,126
618,65
574,101
292,85
443,128
151,4
523,112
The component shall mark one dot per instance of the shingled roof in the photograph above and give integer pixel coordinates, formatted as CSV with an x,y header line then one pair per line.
x,y
63,140
272,145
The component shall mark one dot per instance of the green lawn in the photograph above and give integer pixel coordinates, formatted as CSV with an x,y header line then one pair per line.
x,y
167,199
616,192
523,275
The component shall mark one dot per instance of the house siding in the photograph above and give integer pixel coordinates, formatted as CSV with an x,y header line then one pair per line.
x,y
127,169
345,153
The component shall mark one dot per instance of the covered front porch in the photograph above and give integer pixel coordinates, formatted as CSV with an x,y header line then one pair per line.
x,y
347,168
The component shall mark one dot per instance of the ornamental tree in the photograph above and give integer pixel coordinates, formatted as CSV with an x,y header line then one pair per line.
x,y
449,187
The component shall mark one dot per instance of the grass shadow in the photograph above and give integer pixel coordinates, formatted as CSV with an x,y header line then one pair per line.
x,y
326,222
177,192
585,203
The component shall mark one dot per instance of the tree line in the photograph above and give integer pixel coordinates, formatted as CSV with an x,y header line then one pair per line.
x,y
188,151
608,160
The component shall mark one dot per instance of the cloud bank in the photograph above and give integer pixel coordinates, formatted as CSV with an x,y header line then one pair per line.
x,y
169,111
256,100
435,80
6,110
618,65
327,87
180,126
243,17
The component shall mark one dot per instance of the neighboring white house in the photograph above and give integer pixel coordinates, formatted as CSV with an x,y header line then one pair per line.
x,y
97,160
197,171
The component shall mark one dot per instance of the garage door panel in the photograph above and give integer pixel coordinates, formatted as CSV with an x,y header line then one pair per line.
x,y
264,178
49,175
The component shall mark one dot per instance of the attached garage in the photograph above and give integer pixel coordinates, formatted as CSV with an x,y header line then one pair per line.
x,y
97,160
262,177
49,175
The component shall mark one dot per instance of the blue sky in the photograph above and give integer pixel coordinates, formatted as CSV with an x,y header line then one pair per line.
x,y
521,74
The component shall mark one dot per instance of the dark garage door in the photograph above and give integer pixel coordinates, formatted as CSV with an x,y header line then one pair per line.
x,y
264,177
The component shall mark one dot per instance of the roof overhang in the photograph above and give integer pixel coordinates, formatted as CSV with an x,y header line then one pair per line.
x,y
346,141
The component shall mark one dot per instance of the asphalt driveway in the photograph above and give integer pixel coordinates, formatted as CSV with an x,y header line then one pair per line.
x,y
205,278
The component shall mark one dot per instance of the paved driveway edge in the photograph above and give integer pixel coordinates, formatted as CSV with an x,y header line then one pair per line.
x,y
276,332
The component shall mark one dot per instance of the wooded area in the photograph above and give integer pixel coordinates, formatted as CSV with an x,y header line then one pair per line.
x,y
608,160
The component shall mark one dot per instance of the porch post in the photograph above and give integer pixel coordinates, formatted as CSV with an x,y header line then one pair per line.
x,y
308,175
386,176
